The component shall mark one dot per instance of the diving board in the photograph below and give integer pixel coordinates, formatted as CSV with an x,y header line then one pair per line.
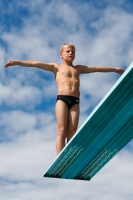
x,y
104,133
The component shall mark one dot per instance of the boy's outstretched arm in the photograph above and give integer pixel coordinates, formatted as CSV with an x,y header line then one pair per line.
x,y
90,69
31,63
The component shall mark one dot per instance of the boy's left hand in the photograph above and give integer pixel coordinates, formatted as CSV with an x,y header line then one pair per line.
x,y
120,70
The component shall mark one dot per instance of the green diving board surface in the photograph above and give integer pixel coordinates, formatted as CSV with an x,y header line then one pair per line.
x,y
104,133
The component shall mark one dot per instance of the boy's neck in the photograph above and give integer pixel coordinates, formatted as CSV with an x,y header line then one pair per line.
x,y
67,63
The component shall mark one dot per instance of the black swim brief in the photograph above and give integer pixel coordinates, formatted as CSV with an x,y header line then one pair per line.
x,y
68,100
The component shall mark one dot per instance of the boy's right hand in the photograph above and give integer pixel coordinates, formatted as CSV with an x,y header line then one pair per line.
x,y
9,63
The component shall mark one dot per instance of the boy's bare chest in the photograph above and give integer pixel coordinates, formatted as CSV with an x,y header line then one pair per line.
x,y
68,72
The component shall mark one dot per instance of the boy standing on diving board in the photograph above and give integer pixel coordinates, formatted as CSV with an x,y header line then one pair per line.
x,y
67,79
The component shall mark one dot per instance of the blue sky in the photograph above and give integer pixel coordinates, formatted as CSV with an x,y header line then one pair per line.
x,y
103,35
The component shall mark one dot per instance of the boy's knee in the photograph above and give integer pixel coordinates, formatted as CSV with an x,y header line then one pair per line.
x,y
62,132
61,129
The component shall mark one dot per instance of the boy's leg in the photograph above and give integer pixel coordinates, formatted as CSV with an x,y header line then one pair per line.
x,y
73,117
61,111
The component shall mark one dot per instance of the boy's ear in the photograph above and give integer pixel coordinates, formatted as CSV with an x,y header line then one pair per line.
x,y
61,54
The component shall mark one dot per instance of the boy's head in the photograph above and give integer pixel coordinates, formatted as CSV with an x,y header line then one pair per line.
x,y
66,44
67,52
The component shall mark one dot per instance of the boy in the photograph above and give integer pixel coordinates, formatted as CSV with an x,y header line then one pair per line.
x,y
67,78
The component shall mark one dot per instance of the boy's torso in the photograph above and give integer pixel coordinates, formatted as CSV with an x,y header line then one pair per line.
x,y
67,78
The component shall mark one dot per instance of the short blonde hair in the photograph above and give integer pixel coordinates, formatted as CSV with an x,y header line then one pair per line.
x,y
66,44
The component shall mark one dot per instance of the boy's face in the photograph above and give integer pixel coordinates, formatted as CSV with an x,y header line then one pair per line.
x,y
68,53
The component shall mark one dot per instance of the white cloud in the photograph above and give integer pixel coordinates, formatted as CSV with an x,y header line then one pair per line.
x,y
114,39
17,95
2,57
18,120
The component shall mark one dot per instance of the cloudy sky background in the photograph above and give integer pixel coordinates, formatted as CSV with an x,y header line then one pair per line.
x,y
103,35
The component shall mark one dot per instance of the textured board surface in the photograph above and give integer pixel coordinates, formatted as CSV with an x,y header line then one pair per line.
x,y
104,133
